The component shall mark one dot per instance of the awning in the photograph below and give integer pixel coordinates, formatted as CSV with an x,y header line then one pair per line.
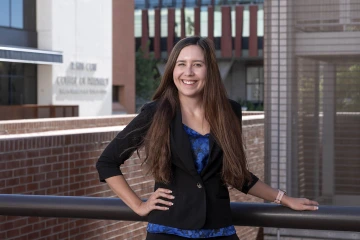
x,y
29,55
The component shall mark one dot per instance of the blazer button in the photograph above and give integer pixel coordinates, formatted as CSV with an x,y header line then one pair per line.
x,y
199,185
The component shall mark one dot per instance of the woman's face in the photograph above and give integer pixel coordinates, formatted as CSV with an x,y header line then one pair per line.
x,y
190,72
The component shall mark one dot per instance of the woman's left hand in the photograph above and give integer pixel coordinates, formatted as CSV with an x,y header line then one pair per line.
x,y
300,203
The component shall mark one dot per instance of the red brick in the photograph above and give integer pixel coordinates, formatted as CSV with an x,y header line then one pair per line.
x,y
32,154
41,176
32,170
12,182
57,166
19,189
51,159
13,233
34,235
51,175
12,164
26,229
39,161
45,168
6,190
45,232
32,187
26,163
57,151
7,174
7,156
45,152
25,179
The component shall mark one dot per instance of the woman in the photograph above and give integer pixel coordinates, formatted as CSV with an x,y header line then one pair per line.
x,y
193,143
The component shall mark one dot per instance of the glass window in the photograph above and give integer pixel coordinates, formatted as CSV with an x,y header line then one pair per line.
x,y
151,13
115,94
260,21
4,68
140,4
5,13
16,91
204,21
18,84
190,3
4,90
164,22
189,22
153,3
217,22
205,2
138,23
233,21
17,14
255,84
177,22
246,22
168,3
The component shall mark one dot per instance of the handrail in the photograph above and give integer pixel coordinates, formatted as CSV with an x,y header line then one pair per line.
x,y
338,218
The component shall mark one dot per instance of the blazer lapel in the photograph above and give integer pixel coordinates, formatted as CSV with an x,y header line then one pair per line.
x,y
181,143
212,148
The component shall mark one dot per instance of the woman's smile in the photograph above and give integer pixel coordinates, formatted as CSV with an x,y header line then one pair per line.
x,y
190,72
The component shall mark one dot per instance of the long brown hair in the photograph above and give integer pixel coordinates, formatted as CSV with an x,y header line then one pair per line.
x,y
224,124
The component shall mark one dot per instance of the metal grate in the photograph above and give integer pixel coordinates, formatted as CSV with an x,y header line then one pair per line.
x,y
312,98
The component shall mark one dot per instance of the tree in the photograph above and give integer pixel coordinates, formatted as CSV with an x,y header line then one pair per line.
x,y
147,77
348,88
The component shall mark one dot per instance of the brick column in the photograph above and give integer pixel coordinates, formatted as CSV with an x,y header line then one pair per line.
x,y
157,47
239,30
226,39
197,20
182,22
145,31
171,29
253,39
211,23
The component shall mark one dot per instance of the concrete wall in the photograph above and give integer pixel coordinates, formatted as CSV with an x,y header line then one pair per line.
x,y
235,82
63,163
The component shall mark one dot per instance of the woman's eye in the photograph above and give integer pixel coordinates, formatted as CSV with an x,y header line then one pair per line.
x,y
198,65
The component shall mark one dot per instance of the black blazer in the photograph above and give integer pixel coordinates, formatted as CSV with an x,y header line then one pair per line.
x,y
201,200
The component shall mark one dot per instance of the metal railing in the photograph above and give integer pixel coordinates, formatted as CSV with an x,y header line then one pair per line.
x,y
337,218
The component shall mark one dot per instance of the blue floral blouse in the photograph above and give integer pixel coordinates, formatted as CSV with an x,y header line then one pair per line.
x,y
200,149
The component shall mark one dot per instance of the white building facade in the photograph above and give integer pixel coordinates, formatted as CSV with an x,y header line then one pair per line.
x,y
82,31
57,53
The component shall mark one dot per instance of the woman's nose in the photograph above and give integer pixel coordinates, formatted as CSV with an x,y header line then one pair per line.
x,y
189,71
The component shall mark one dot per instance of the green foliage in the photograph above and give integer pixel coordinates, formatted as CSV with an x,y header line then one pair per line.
x,y
250,106
147,77
348,88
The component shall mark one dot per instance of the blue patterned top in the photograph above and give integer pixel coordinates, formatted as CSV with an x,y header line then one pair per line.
x,y
200,149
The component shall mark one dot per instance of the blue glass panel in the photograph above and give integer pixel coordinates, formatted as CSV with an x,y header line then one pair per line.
x,y
168,3
205,2
140,4
153,3
17,14
5,13
190,3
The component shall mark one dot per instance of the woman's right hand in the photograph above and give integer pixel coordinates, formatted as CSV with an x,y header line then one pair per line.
x,y
152,203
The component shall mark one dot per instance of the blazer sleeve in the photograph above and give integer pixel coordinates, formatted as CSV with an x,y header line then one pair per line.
x,y
248,184
124,144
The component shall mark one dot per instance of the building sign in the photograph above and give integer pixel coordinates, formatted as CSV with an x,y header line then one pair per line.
x,y
81,81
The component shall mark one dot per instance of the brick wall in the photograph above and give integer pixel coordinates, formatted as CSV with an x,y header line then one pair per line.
x,y
54,124
64,164
51,124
